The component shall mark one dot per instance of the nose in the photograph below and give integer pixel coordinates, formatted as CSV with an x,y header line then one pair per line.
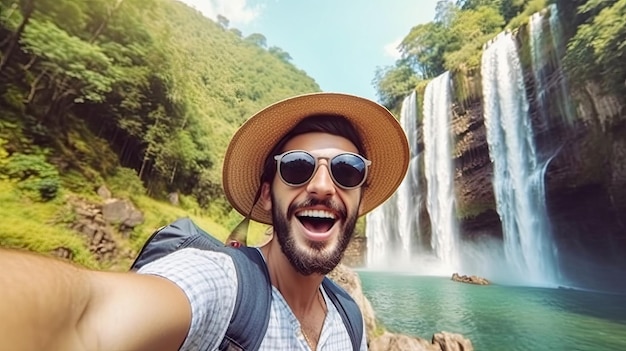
x,y
321,185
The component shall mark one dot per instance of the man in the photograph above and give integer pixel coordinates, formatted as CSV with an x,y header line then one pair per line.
x,y
308,165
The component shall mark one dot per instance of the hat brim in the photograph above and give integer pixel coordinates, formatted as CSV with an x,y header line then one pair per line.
x,y
384,142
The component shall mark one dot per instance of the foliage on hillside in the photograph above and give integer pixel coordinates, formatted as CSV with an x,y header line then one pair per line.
x,y
597,50
160,87
453,41
140,95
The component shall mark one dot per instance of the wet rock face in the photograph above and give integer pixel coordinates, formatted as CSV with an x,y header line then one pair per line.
x,y
590,236
585,184
473,173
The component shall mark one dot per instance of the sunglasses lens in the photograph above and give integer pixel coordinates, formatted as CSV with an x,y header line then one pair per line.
x,y
348,170
297,167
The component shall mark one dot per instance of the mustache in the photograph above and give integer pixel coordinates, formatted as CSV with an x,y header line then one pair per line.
x,y
310,202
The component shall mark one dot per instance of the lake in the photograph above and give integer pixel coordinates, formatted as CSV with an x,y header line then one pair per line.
x,y
498,317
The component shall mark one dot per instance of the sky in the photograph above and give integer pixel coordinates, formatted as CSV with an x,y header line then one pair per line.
x,y
338,43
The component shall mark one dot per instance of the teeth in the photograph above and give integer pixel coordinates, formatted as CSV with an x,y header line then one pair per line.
x,y
316,213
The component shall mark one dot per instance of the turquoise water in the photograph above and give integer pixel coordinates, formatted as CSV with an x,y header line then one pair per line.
x,y
498,317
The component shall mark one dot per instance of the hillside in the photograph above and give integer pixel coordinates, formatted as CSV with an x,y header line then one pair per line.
x,y
140,96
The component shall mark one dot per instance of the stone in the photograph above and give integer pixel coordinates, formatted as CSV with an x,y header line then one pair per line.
x,y
469,279
104,192
121,212
451,342
173,198
399,342
63,253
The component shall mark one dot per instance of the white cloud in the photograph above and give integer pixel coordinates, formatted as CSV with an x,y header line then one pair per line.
x,y
237,11
391,49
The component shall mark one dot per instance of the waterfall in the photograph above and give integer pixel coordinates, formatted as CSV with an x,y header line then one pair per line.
x,y
408,191
381,233
391,226
539,62
518,176
547,63
394,241
438,169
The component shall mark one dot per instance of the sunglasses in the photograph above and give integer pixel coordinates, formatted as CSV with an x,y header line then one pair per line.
x,y
297,167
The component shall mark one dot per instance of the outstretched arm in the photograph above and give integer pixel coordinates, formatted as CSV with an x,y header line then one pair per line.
x,y
46,304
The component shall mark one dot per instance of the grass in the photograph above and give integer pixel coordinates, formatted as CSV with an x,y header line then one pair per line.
x,y
35,226
43,226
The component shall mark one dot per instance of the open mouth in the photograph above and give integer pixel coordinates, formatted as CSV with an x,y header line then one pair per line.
x,y
316,221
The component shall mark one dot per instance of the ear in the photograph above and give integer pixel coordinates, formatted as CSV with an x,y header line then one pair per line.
x,y
266,197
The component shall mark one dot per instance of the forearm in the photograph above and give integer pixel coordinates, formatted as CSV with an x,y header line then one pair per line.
x,y
41,302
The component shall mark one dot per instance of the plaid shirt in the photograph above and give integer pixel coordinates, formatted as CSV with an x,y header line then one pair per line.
x,y
210,282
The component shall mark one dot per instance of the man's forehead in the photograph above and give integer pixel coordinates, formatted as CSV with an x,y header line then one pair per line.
x,y
320,142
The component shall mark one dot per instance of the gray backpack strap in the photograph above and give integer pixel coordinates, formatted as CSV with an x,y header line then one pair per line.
x,y
348,309
254,298
254,293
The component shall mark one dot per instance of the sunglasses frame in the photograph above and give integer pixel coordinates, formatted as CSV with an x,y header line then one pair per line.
x,y
366,162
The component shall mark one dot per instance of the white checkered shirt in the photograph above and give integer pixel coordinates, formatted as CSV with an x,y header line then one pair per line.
x,y
210,282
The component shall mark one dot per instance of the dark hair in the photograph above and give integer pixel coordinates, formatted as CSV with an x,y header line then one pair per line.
x,y
331,124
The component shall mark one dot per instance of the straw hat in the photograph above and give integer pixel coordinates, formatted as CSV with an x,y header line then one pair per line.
x,y
383,139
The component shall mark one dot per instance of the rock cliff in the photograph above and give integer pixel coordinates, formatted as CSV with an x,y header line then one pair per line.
x,y
585,181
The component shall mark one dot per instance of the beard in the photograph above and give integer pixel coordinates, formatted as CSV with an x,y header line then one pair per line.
x,y
311,259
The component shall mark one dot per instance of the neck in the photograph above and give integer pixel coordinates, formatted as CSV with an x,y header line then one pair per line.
x,y
300,291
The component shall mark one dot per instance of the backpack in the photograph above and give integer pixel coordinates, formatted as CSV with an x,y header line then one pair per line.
x,y
254,295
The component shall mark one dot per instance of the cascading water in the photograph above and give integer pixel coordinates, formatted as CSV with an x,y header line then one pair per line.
x,y
539,61
546,66
390,227
408,192
381,233
518,176
393,233
439,171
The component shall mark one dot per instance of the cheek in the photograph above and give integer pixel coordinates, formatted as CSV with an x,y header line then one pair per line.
x,y
351,200
358,201
282,195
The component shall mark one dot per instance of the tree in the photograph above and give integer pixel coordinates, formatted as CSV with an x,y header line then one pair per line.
x,y
223,21
470,29
257,39
236,32
511,8
474,4
77,71
27,8
423,49
444,12
280,53
597,51
394,83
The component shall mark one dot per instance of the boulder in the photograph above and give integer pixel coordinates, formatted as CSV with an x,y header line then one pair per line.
x,y
121,212
469,279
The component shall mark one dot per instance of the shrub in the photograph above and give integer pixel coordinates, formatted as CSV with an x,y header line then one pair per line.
x,y
126,182
35,176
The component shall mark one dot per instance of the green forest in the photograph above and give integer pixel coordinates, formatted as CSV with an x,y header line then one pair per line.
x,y
143,95
139,95
595,31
